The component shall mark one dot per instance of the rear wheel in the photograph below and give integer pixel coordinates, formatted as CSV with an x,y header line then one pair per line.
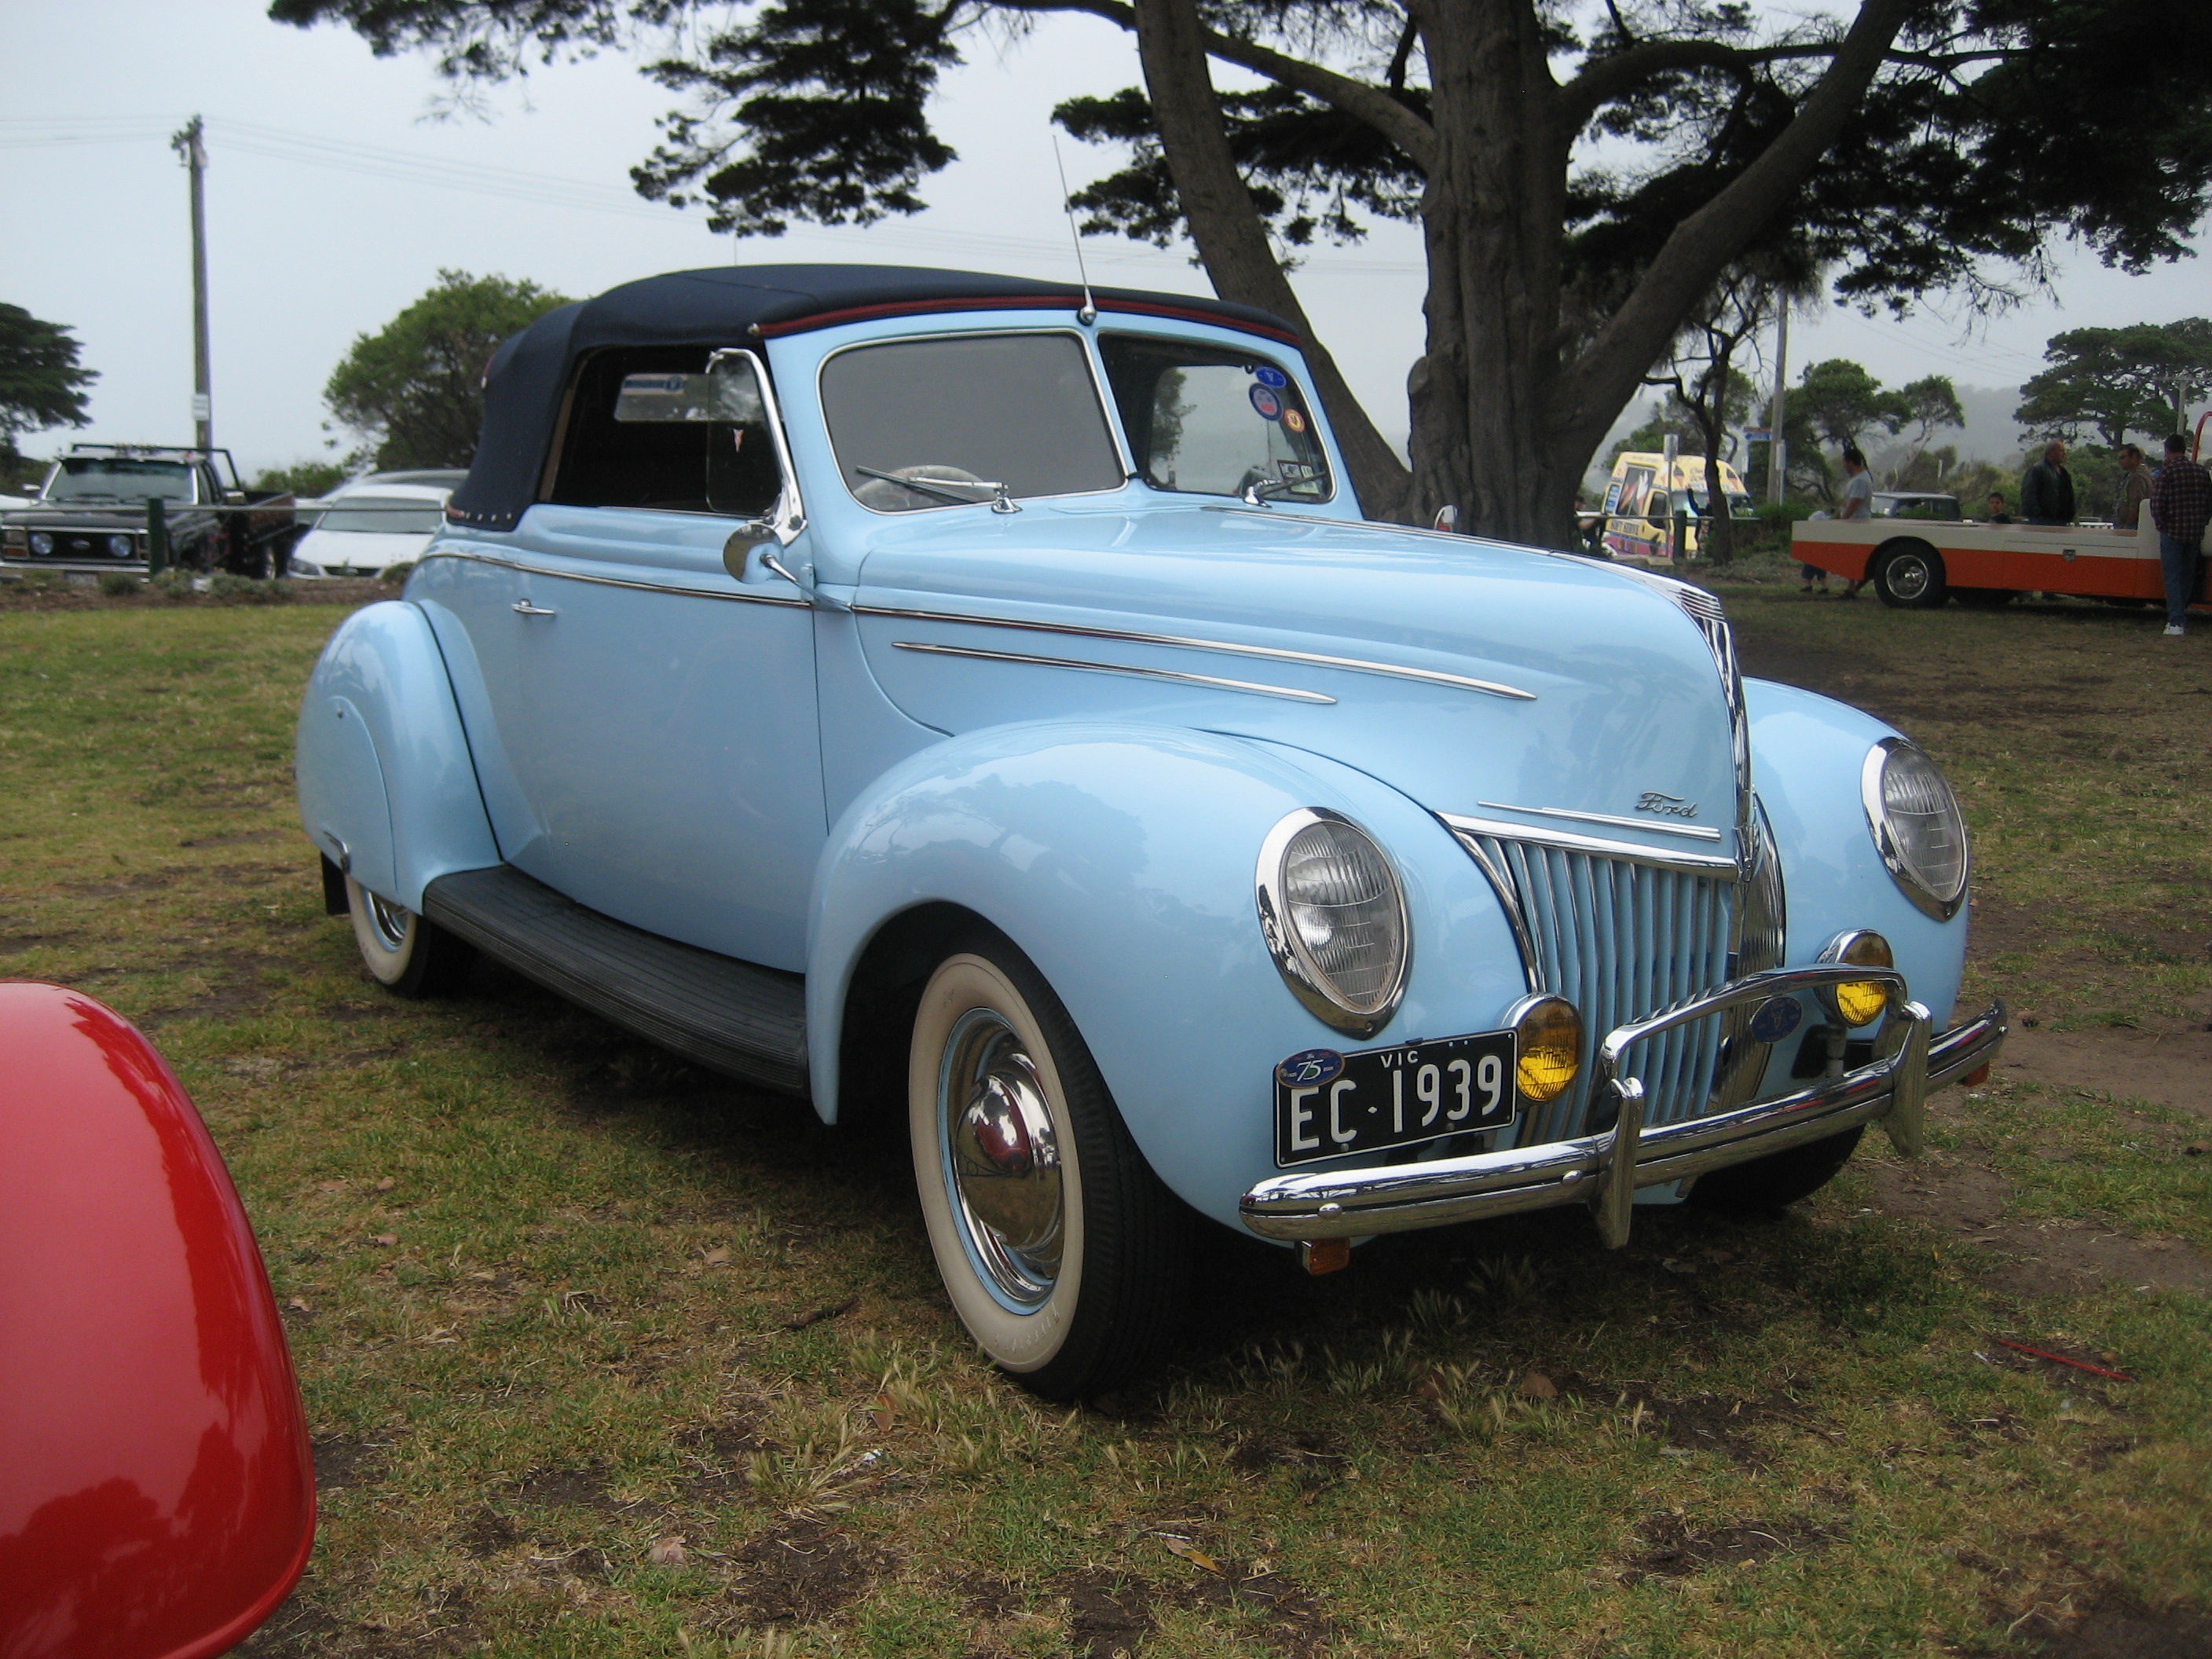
x,y
1063,1254
404,952
1766,1184
1909,575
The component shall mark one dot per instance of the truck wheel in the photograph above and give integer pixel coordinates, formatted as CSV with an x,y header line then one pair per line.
x,y
1063,1254
405,953
1766,1184
1909,575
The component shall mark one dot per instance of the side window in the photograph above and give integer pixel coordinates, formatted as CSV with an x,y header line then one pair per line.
x,y
652,428
1212,421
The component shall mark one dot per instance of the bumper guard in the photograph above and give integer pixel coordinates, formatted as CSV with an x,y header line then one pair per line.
x,y
1604,1169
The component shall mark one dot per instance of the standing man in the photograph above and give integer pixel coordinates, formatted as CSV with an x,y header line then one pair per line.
x,y
1858,501
2135,488
2046,494
2180,505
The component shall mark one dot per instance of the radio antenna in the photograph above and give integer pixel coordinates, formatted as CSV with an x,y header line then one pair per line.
x,y
1089,314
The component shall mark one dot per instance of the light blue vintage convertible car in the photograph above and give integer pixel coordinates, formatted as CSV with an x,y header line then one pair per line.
x,y
883,682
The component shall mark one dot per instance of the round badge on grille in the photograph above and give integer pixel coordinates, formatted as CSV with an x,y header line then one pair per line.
x,y
1778,1016
1309,1067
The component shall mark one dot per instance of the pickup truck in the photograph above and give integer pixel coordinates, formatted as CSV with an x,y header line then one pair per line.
x,y
90,514
1918,564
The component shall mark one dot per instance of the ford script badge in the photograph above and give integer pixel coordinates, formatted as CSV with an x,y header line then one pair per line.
x,y
1673,806
1311,1066
1778,1016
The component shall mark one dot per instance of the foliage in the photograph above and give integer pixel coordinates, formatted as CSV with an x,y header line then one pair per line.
x,y
2113,382
41,383
414,390
301,477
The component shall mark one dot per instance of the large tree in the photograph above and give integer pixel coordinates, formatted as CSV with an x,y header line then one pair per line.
x,y
2112,381
414,390
41,383
1583,172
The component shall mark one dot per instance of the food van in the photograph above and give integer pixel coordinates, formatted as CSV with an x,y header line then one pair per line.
x,y
1643,495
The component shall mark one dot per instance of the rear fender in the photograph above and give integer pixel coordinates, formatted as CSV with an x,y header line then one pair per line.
x,y
1121,858
386,788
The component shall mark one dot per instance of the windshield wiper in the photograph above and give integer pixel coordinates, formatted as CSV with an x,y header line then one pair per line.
x,y
1002,501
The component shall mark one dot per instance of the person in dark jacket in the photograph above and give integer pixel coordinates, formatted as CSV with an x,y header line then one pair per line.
x,y
2181,506
2046,494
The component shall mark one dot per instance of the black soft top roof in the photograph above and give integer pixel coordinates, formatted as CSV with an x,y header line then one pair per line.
x,y
731,305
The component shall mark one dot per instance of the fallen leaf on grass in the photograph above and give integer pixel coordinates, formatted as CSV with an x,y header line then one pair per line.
x,y
296,1304
883,1410
666,1553
330,1186
386,1238
718,1256
386,1184
1190,1553
1534,1385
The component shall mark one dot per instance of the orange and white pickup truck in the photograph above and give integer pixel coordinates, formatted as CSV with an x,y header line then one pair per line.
x,y
1918,563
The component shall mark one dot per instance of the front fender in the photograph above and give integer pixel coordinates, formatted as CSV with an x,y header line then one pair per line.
x,y
1807,752
1121,858
385,785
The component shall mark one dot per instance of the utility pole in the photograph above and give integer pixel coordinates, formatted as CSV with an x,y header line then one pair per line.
x,y
189,146
1777,452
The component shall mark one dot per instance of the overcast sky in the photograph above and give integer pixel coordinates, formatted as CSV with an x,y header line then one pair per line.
x,y
334,198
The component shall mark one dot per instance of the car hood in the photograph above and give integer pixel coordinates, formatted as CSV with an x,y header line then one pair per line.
x,y
1471,676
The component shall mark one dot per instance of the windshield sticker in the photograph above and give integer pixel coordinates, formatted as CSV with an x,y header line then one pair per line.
x,y
1293,421
1269,405
1274,377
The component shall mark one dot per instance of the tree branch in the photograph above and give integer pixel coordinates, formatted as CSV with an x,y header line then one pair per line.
x,y
1354,98
1694,257
1613,77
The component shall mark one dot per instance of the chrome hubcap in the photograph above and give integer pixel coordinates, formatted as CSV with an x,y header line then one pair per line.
x,y
1002,1159
1908,577
391,921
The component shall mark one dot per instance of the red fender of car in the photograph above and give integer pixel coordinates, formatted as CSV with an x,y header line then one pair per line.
x,y
157,1498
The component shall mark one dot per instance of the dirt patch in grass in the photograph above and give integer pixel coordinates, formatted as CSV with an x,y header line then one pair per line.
x,y
1674,1549
2172,1067
2120,1631
804,1570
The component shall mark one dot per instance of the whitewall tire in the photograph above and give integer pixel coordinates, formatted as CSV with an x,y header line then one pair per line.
x,y
404,952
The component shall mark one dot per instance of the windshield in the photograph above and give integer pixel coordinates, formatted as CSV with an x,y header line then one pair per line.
x,y
118,478
960,416
387,514
1916,507
1206,420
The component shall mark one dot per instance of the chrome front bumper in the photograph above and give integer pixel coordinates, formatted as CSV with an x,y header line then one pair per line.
x,y
1604,1170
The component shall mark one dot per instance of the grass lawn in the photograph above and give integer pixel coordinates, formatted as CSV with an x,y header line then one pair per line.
x,y
606,1355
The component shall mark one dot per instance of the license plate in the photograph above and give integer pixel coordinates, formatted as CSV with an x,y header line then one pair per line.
x,y
1332,1105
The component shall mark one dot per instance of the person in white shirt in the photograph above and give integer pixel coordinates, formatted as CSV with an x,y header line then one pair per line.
x,y
1858,500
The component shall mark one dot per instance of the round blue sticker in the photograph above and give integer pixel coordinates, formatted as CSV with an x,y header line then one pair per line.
x,y
1778,1016
1269,405
1310,1067
1274,377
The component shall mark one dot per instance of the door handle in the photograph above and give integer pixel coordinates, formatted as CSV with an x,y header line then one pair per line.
x,y
524,608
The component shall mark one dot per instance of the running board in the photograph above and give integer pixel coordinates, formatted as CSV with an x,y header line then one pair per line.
x,y
734,1017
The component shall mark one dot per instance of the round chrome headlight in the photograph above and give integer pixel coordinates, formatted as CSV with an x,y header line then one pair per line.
x,y
118,547
1334,917
41,543
1916,826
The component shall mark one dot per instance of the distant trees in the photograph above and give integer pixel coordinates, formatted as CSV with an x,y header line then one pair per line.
x,y
2112,381
414,390
1838,404
41,383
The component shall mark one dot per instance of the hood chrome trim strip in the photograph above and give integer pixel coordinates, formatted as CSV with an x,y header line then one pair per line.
x,y
1693,832
1629,851
611,581
1272,654
1208,680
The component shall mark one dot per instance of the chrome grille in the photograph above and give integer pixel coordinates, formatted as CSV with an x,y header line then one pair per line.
x,y
1620,939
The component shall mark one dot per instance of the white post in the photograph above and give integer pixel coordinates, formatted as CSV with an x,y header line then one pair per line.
x,y
1673,497
1777,452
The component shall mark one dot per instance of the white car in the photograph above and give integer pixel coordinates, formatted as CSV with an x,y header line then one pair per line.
x,y
373,523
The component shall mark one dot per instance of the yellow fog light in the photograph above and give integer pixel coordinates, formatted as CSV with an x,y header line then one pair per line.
x,y
1547,1040
1858,1001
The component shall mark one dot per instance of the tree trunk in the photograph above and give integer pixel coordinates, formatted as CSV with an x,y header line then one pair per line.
x,y
1492,218
1232,239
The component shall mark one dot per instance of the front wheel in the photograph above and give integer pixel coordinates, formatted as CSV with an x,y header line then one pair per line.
x,y
1766,1184
1063,1254
1909,576
404,952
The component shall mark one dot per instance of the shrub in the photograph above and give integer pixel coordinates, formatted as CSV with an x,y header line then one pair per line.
x,y
247,590
114,584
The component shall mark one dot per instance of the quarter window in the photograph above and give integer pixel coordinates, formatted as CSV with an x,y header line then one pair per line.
x,y
1210,421
654,429
927,423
